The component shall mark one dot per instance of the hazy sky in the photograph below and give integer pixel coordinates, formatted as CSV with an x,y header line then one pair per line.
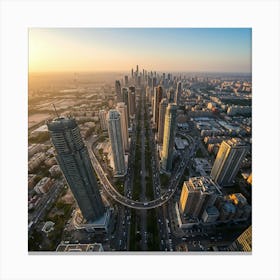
x,y
159,49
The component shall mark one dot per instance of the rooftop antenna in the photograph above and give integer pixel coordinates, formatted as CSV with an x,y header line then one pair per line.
x,y
55,111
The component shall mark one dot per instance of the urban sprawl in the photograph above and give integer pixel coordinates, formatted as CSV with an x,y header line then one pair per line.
x,y
140,161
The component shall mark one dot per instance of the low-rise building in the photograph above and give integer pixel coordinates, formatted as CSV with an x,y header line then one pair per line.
x,y
31,180
93,247
43,185
35,161
55,170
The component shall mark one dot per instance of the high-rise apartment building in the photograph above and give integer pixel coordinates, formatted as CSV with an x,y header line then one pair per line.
x,y
122,109
158,94
103,119
118,91
197,195
169,135
73,158
154,82
115,135
243,242
162,110
126,81
125,100
171,96
178,93
228,161
131,102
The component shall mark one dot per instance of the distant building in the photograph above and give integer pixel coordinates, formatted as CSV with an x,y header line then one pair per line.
x,y
243,242
126,80
158,95
161,120
228,161
178,93
132,102
169,135
198,194
171,96
103,119
126,101
118,91
115,135
122,109
74,161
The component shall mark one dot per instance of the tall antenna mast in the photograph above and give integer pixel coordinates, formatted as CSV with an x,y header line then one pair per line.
x,y
55,111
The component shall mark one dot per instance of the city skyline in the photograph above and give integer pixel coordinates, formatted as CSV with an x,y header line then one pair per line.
x,y
138,162
163,49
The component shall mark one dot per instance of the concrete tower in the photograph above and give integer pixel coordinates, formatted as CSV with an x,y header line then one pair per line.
x,y
169,135
115,135
228,161
118,91
73,158
122,109
162,110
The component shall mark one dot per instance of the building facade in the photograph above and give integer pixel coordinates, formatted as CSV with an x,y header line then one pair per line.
x,y
122,109
115,135
118,91
197,195
228,161
73,158
162,110
132,102
169,135
178,93
103,119
158,94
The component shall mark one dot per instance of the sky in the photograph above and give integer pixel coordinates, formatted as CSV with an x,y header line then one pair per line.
x,y
157,49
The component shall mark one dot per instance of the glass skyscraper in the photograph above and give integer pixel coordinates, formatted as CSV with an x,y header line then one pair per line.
x,y
73,158
168,138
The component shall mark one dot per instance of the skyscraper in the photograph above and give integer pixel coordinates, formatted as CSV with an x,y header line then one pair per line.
x,y
126,80
171,96
154,82
168,139
118,91
228,161
125,100
115,135
73,158
158,94
131,102
178,93
162,110
122,109
103,119
197,195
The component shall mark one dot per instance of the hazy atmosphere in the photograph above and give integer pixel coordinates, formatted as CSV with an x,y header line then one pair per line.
x,y
162,49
